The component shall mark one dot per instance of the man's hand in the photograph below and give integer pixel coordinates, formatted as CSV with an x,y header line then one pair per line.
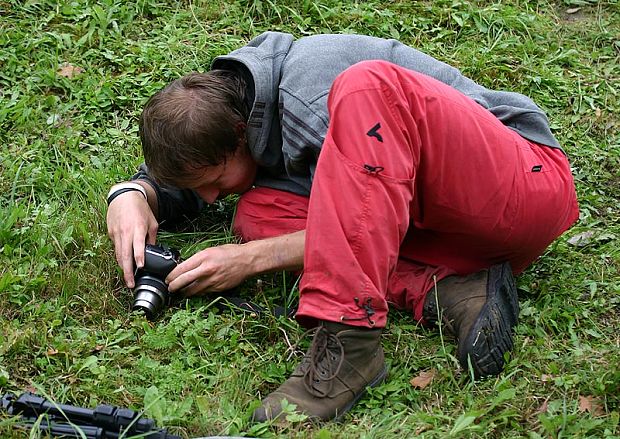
x,y
131,225
220,268
214,269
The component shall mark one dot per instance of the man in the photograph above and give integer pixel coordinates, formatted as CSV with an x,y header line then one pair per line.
x,y
428,193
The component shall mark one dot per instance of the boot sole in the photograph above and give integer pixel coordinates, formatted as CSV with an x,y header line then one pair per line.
x,y
381,376
490,337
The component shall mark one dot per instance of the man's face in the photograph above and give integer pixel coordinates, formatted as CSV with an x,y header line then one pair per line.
x,y
234,176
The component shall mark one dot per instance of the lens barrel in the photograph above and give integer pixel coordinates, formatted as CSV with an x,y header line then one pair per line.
x,y
151,292
150,296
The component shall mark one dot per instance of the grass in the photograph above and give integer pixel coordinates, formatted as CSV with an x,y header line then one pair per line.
x,y
65,329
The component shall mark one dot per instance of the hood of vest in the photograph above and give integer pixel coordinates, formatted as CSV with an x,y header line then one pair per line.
x,y
263,57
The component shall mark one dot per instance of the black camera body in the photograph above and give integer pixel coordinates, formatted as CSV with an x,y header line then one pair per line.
x,y
151,293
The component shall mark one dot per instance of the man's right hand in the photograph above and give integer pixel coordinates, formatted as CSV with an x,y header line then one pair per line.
x,y
131,225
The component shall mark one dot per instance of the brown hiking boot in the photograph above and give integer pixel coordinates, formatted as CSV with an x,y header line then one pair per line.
x,y
340,364
481,310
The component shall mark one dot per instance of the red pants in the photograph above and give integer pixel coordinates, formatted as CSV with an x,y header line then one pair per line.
x,y
415,182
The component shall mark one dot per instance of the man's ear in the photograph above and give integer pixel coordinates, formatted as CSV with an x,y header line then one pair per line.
x,y
240,130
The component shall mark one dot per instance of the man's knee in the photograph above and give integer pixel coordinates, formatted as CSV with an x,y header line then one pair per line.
x,y
264,213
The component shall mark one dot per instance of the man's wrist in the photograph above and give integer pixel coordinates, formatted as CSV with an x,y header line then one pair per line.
x,y
255,257
152,195
283,252
121,188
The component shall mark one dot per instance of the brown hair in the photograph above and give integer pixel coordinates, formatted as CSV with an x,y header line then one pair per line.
x,y
193,122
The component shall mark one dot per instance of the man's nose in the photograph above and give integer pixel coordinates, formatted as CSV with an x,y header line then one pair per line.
x,y
208,194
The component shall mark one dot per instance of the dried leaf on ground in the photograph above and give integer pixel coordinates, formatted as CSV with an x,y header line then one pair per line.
x,y
573,10
543,407
52,351
68,70
591,405
581,239
423,379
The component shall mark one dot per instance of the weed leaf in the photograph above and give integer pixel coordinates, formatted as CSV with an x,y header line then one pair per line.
x,y
154,404
4,376
463,422
503,396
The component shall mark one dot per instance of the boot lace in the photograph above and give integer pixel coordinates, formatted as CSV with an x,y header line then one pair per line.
x,y
323,361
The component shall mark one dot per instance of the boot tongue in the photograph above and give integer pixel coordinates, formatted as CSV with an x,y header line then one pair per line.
x,y
334,327
325,359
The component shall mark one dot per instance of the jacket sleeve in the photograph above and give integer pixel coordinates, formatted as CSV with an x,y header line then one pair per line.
x,y
174,205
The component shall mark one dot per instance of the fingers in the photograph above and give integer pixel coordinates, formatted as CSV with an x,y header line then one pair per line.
x,y
131,225
210,270
193,289
124,260
186,273
199,286
151,235
127,264
138,249
181,282
129,247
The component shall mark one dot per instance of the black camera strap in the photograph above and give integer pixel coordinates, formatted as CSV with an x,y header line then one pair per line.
x,y
230,301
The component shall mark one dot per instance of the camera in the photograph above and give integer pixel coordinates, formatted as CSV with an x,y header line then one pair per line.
x,y
151,293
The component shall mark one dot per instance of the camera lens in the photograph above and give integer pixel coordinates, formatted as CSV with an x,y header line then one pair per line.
x,y
150,295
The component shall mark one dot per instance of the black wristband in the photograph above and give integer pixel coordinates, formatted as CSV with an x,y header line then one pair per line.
x,y
120,192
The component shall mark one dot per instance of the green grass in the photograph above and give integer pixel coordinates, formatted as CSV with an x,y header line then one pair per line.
x,y
65,329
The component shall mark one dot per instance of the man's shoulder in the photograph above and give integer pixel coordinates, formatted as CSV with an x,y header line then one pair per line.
x,y
261,55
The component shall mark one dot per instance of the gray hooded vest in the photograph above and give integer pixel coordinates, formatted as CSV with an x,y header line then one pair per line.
x,y
291,81
292,78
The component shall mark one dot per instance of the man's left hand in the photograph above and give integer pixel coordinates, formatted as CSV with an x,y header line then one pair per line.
x,y
221,268
214,269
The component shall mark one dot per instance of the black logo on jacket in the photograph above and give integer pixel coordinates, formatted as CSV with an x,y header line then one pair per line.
x,y
374,132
